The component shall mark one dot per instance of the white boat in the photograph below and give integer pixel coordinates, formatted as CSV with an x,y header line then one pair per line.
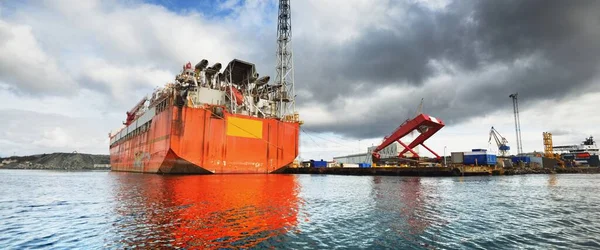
x,y
585,153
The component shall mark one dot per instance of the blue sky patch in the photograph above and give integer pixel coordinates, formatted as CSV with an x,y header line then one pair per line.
x,y
210,8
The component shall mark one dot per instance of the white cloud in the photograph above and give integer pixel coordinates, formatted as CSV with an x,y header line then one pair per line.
x,y
26,66
32,132
107,54
573,115
542,117
123,81
144,38
339,21
54,137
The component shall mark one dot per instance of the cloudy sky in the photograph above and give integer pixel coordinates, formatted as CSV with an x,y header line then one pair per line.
x,y
70,69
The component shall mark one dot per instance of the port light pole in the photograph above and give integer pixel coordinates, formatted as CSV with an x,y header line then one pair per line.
x,y
517,122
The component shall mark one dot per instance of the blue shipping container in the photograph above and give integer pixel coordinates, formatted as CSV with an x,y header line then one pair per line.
x,y
478,150
480,159
525,159
320,164
364,165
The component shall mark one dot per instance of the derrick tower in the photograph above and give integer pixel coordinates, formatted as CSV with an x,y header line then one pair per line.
x,y
285,97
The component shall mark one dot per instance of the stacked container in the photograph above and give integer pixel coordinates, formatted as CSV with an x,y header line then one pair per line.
x,y
524,159
479,157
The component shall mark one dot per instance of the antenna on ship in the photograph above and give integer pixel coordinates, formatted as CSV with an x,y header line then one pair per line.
x,y
285,66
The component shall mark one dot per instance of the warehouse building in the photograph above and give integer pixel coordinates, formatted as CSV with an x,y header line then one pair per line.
x,y
390,151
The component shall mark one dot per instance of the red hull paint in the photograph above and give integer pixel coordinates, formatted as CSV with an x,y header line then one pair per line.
x,y
193,140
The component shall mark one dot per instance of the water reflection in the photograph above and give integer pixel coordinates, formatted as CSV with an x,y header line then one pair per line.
x,y
406,201
203,211
91,210
552,180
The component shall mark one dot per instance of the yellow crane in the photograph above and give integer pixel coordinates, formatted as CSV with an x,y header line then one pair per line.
x,y
549,152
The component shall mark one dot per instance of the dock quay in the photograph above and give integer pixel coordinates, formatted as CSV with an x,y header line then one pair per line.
x,y
397,171
440,171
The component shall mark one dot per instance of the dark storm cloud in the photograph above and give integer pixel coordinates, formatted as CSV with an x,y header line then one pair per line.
x,y
550,48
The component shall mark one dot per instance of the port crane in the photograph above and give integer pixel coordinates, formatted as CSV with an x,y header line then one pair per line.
x,y
501,142
424,124
549,150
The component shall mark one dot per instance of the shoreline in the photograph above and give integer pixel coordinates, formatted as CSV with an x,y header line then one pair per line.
x,y
387,171
57,161
440,171
62,170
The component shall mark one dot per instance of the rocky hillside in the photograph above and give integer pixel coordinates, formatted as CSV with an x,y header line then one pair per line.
x,y
58,161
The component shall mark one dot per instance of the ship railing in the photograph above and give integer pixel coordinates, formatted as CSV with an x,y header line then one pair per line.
x,y
295,117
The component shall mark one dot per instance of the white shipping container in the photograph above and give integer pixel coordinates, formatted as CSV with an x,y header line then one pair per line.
x,y
350,165
456,157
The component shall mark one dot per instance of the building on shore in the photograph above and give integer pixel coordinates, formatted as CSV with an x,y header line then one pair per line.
x,y
390,151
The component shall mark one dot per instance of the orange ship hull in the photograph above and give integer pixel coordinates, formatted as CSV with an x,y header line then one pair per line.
x,y
190,140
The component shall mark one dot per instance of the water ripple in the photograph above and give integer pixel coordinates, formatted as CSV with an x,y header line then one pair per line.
x,y
105,210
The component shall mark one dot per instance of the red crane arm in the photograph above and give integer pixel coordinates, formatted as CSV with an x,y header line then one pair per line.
x,y
131,113
425,124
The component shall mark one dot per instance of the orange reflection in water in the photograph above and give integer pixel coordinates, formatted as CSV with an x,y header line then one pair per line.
x,y
208,211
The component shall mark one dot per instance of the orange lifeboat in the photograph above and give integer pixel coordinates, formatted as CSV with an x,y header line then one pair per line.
x,y
238,95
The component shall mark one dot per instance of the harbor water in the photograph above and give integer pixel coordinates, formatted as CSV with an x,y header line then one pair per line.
x,y
112,210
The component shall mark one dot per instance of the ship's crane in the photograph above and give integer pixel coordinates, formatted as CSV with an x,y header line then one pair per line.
x,y
501,142
131,113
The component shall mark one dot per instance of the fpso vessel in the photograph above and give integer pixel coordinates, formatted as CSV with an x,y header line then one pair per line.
x,y
208,121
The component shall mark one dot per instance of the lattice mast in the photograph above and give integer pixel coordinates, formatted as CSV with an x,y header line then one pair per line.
x,y
517,123
285,67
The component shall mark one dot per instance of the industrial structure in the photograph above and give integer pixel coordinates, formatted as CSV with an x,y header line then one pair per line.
x,y
424,124
285,64
501,142
549,151
214,121
392,150
517,122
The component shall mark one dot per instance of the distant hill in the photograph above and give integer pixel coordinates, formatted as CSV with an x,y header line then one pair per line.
x,y
58,161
